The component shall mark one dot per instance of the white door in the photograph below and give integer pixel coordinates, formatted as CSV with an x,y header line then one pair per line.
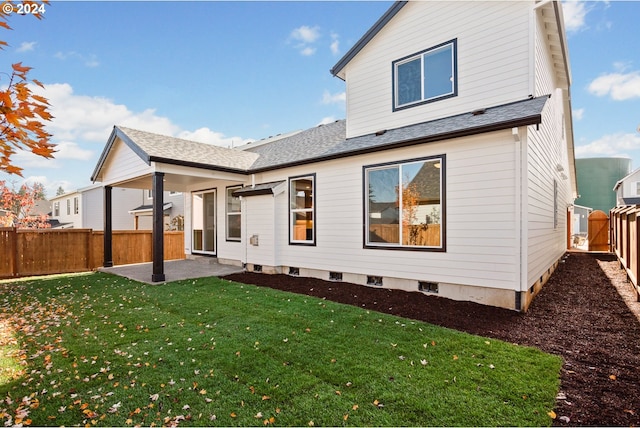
x,y
203,210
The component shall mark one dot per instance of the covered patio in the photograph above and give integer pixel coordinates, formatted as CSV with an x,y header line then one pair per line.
x,y
175,270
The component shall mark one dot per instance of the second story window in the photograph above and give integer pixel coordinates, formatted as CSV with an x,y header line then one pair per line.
x,y
426,76
76,205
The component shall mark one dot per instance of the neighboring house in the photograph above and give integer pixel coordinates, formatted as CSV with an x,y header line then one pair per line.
x,y
65,211
84,209
453,172
597,178
627,189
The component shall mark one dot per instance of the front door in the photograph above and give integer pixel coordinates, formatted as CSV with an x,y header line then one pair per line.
x,y
203,209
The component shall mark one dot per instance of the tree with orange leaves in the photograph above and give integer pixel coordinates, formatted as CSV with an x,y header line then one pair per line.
x,y
22,113
18,205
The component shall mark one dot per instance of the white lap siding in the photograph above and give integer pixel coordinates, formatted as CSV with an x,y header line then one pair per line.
x,y
481,221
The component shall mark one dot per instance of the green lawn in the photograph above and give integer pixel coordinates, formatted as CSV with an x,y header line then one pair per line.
x,y
97,349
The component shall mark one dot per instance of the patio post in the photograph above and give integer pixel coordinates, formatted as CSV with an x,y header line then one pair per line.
x,y
108,229
158,227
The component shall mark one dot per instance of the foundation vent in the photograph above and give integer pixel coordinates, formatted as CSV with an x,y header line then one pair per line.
x,y
335,276
374,280
294,271
257,268
429,287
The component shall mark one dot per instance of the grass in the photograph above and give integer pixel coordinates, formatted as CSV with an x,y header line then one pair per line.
x,y
101,350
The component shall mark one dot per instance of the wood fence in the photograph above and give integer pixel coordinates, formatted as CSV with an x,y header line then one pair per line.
x,y
429,236
26,252
625,240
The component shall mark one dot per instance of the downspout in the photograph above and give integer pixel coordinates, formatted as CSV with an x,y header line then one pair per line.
x,y
245,236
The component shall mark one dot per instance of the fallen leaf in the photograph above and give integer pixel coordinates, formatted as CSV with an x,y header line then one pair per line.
x,y
355,407
455,357
233,414
265,397
345,417
552,414
612,377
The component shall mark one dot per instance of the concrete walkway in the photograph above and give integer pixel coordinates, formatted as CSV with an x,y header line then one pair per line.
x,y
174,270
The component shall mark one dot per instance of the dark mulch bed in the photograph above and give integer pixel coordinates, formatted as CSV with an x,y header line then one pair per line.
x,y
586,313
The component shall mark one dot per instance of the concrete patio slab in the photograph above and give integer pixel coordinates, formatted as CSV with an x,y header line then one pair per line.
x,y
174,270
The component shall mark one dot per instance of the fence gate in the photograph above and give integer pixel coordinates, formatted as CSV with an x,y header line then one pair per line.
x,y
598,231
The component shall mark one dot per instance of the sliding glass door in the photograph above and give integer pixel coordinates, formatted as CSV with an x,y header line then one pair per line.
x,y
203,212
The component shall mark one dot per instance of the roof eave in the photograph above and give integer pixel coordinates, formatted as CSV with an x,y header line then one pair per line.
x,y
535,119
199,165
115,134
366,38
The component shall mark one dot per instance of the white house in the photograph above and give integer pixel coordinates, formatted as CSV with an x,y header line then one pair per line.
x,y
84,208
628,189
453,172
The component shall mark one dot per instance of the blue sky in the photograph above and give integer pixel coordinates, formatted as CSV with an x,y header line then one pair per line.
x,y
231,72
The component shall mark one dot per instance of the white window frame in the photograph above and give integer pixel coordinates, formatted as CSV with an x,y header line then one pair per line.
x,y
76,205
56,209
229,214
306,210
453,44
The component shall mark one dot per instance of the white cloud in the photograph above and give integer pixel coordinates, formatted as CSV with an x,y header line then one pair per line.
x,y
89,61
335,44
206,135
304,37
326,120
26,46
71,150
80,129
307,51
574,13
329,98
90,119
578,114
619,86
306,34
613,145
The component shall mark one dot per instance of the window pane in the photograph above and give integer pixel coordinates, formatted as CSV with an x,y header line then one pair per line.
x,y
233,226
383,213
233,202
408,83
438,72
303,226
421,203
302,193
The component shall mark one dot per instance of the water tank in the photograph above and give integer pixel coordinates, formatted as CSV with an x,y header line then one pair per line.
x,y
596,178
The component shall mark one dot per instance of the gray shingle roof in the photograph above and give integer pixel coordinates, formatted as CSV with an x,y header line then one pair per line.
x,y
158,147
328,141
322,142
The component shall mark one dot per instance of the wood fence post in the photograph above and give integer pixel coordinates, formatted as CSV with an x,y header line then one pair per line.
x,y
14,251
